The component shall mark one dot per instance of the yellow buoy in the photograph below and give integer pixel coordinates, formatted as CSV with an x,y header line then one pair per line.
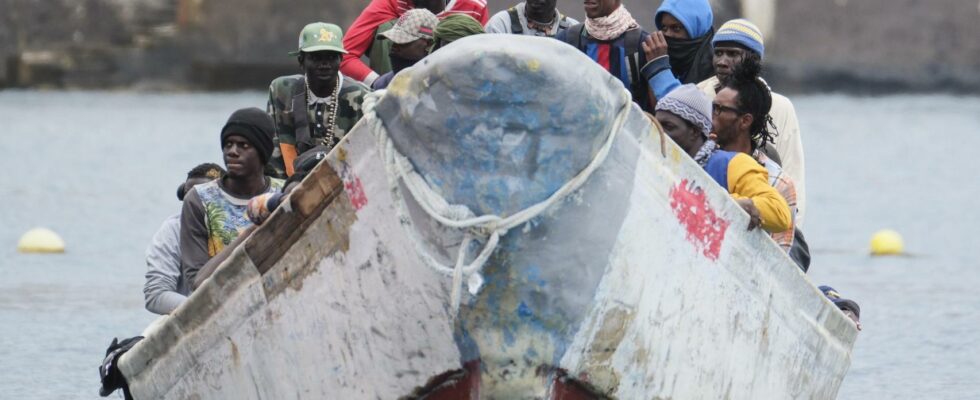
x,y
886,242
41,240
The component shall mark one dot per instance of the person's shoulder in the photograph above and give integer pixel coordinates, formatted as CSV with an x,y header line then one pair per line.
x,y
474,8
779,100
467,5
353,91
744,162
573,28
352,85
172,222
204,191
502,15
722,157
708,85
287,84
170,228
742,157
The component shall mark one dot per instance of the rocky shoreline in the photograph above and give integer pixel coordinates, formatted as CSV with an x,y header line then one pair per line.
x,y
867,47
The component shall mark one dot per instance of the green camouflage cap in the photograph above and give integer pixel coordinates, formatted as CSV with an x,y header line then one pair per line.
x,y
320,36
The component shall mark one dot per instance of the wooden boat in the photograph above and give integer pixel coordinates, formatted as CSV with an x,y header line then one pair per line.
x,y
502,224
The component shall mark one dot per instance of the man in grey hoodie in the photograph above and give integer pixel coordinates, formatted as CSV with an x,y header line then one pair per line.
x,y
165,287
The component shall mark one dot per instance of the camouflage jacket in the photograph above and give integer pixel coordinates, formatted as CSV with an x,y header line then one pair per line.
x,y
305,130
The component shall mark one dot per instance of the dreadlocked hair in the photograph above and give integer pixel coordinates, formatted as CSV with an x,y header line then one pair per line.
x,y
754,98
206,170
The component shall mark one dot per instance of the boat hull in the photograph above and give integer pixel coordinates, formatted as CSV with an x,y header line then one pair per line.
x,y
641,283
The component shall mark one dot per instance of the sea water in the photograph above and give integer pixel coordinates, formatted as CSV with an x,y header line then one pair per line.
x,y
102,168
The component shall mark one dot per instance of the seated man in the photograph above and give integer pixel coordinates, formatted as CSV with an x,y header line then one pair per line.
x,y
318,107
687,34
613,39
684,115
411,37
850,308
261,207
532,18
214,212
362,36
165,287
736,42
453,28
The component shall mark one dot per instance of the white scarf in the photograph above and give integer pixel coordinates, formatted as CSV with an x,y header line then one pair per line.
x,y
611,26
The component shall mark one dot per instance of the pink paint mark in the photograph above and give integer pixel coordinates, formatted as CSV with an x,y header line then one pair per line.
x,y
354,189
705,229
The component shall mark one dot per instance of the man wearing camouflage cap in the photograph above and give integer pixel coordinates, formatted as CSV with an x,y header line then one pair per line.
x,y
411,37
317,107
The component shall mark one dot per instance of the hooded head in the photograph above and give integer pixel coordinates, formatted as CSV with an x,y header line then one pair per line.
x,y
453,28
695,15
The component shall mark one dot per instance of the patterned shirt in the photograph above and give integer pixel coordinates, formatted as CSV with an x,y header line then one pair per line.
x,y
211,219
301,120
784,185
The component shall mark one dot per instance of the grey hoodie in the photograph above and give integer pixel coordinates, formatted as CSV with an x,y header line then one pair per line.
x,y
165,287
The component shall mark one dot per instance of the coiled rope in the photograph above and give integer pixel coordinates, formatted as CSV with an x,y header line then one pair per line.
x,y
488,228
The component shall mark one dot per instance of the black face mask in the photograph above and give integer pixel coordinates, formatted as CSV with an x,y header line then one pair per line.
x,y
400,63
691,59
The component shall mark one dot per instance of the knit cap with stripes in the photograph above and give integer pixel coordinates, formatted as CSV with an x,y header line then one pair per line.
x,y
743,32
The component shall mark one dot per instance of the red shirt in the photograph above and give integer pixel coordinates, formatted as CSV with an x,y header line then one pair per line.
x,y
358,38
474,8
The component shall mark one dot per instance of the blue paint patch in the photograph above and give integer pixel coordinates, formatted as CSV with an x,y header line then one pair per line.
x,y
468,348
524,311
533,273
456,140
531,354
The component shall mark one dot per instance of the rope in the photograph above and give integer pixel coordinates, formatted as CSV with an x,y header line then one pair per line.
x,y
488,228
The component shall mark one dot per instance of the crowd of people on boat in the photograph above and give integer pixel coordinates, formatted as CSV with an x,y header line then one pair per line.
x,y
701,85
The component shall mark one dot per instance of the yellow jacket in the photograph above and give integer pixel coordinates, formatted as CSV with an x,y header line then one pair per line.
x,y
745,178
788,143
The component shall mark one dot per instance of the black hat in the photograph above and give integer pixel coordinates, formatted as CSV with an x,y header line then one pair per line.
x,y
310,158
841,303
255,126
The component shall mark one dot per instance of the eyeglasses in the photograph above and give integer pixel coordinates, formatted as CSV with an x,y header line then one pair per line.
x,y
717,109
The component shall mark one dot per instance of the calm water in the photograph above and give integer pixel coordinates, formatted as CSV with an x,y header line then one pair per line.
x,y
101,169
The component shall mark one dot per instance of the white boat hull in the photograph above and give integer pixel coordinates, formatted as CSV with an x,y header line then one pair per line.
x,y
643,283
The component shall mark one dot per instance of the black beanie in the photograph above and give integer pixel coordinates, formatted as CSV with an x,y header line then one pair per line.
x,y
254,125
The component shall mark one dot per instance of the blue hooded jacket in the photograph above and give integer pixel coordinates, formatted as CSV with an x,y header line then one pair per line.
x,y
689,60
695,15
